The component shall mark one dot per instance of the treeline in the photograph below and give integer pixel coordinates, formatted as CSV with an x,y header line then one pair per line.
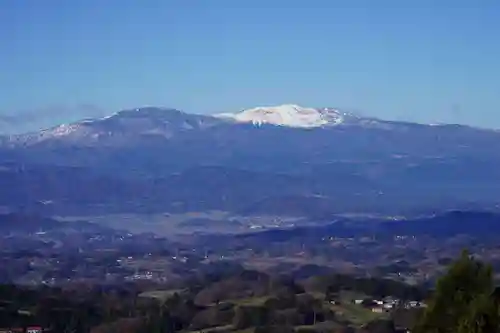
x,y
236,299
284,310
64,310
375,287
465,300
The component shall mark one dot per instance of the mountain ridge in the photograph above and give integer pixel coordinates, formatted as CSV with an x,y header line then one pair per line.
x,y
163,123
359,164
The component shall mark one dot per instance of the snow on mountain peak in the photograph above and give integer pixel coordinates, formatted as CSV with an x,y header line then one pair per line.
x,y
123,125
289,115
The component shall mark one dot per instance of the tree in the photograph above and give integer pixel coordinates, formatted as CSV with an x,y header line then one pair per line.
x,y
248,316
463,301
482,316
380,326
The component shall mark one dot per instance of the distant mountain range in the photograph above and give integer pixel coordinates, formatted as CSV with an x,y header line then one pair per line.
x,y
152,123
280,160
441,226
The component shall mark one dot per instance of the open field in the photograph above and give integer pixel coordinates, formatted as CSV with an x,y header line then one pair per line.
x,y
347,311
161,295
353,313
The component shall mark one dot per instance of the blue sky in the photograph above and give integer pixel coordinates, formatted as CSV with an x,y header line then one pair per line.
x,y
426,60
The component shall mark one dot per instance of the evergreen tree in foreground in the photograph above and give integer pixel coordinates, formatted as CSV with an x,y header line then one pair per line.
x,y
463,301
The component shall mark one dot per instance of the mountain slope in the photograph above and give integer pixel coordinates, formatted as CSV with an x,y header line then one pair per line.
x,y
120,128
260,161
149,123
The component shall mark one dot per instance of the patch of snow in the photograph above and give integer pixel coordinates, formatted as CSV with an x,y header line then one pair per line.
x,y
289,115
61,130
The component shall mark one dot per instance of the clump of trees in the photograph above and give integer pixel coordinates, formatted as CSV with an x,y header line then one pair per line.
x,y
464,301
376,287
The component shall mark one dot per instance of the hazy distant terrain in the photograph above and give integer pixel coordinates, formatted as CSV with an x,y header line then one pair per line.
x,y
170,225
153,161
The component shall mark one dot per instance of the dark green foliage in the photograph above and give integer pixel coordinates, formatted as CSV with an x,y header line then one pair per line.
x,y
375,287
242,285
227,302
249,316
482,316
406,317
220,315
274,329
284,284
286,317
282,301
464,300
380,326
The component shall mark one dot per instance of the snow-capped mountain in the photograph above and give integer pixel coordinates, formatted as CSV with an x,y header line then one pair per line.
x,y
289,115
336,158
155,124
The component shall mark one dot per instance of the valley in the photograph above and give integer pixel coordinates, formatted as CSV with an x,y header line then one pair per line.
x,y
249,166
178,224
156,201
